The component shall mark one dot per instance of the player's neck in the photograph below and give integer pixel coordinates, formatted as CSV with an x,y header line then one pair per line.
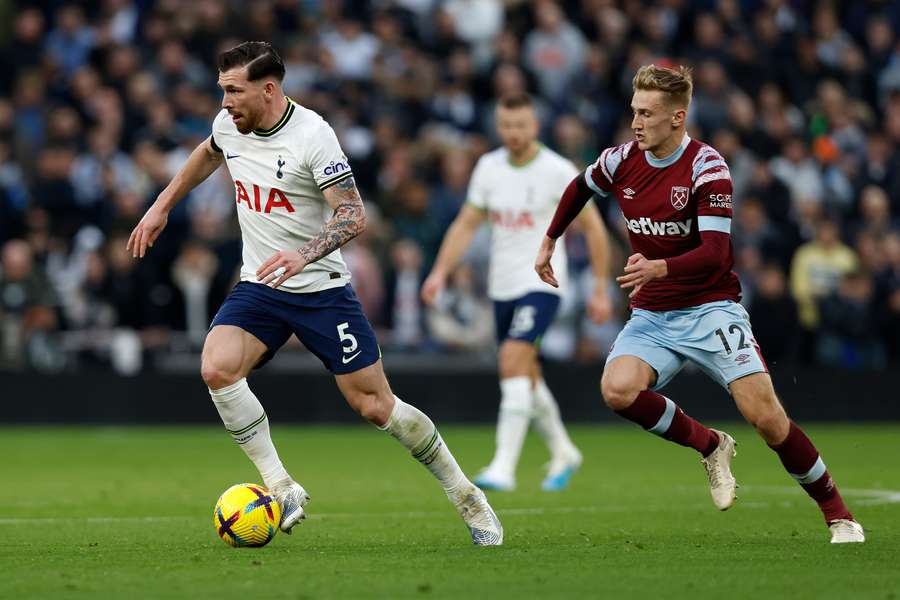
x,y
525,156
669,147
274,113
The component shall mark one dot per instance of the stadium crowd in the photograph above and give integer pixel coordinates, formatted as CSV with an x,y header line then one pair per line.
x,y
101,102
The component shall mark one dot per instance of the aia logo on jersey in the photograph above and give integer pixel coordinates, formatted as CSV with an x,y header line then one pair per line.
x,y
274,199
679,196
511,219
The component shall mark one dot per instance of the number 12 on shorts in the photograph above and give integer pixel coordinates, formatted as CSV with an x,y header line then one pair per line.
x,y
734,328
347,337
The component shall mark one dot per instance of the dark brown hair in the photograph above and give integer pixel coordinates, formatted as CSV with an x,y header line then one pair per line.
x,y
260,58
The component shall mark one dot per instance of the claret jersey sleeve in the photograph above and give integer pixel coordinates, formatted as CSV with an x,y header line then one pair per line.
x,y
600,175
712,187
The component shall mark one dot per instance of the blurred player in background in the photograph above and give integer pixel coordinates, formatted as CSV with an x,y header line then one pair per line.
x,y
516,188
297,205
675,194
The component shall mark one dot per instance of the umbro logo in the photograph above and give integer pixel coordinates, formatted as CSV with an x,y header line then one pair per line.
x,y
629,193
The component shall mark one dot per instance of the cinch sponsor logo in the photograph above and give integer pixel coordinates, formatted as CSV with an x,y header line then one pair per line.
x,y
511,219
720,200
336,167
275,199
648,226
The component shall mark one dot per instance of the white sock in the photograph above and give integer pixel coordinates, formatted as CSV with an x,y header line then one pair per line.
x,y
246,421
516,406
417,433
548,422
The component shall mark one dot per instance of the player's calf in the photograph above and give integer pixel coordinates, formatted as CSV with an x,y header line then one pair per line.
x,y
660,416
802,462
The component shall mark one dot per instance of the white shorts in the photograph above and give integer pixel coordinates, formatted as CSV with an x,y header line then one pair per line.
x,y
716,336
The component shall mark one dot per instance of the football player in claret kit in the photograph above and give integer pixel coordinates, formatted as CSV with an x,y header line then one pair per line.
x,y
297,204
516,188
675,194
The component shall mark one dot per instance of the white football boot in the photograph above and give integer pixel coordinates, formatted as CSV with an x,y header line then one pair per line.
x,y
291,497
845,531
493,480
718,470
561,469
480,518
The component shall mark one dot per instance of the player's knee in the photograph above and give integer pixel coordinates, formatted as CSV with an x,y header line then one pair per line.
x,y
217,376
372,407
514,361
772,424
618,392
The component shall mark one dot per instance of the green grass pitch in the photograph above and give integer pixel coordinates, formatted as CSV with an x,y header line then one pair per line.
x,y
127,512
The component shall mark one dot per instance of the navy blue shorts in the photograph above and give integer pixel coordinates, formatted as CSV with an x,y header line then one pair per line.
x,y
525,318
330,323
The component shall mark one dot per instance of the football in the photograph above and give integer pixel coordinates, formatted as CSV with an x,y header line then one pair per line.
x,y
246,515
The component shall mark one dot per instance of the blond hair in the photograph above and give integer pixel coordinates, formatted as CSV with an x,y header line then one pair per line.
x,y
677,85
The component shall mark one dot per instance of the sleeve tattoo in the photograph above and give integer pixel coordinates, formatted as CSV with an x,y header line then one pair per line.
x,y
348,221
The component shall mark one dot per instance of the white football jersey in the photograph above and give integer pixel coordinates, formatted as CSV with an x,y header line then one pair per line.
x,y
279,175
521,201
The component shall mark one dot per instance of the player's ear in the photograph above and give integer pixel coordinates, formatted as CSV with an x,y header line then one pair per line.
x,y
678,117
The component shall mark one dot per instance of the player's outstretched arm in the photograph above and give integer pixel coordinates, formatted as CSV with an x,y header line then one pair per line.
x,y
599,307
202,162
457,239
347,222
575,196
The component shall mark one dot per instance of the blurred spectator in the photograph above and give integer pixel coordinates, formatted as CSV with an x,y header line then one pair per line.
x,y
799,172
193,273
406,315
752,229
711,91
351,48
477,23
849,336
69,43
554,51
875,213
27,307
450,193
461,318
415,222
816,271
774,315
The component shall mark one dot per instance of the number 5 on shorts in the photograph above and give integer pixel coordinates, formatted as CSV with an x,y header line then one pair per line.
x,y
344,336
523,320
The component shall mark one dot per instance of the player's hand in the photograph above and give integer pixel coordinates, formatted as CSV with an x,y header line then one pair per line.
x,y
639,271
542,264
147,230
599,306
280,267
432,287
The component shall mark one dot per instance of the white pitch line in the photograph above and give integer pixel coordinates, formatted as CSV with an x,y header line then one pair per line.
x,y
868,497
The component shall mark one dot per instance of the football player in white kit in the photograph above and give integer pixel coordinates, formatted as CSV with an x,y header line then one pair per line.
x,y
297,204
517,188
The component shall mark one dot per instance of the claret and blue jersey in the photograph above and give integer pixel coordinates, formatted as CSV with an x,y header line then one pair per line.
x,y
666,203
